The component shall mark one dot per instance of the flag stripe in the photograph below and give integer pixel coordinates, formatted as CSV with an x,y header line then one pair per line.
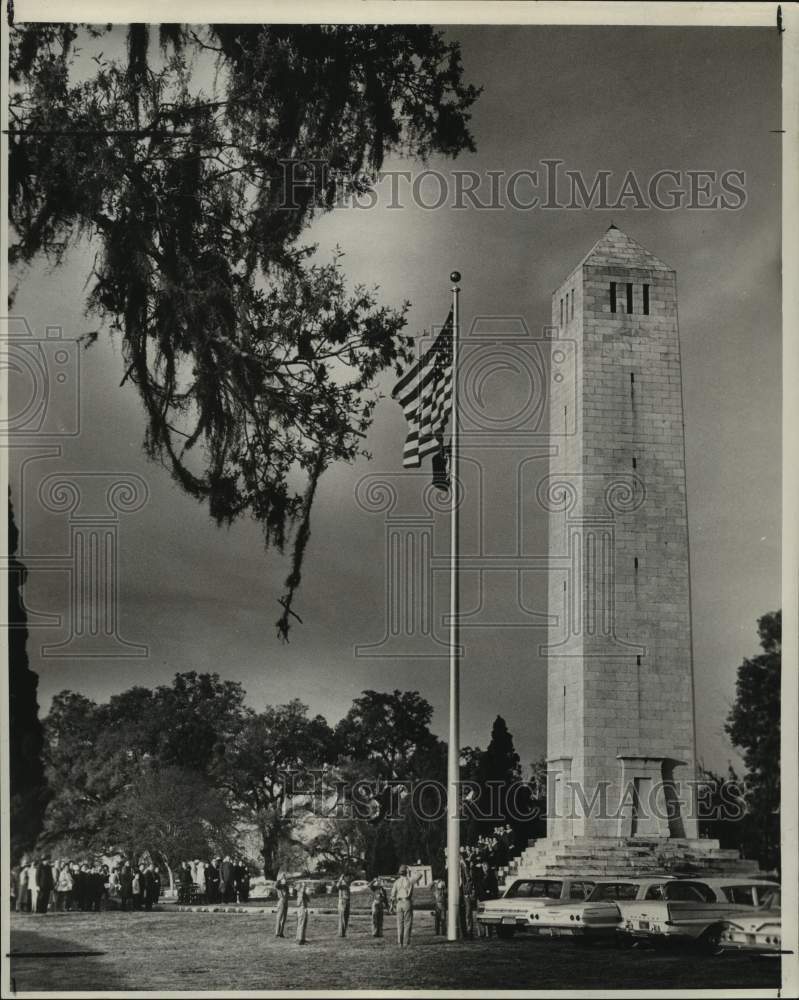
x,y
425,393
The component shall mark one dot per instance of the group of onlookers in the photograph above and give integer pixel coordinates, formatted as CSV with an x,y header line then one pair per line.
x,y
41,885
221,880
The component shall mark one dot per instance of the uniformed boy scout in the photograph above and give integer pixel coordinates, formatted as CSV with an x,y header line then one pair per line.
x,y
282,889
402,897
379,906
343,889
303,902
440,905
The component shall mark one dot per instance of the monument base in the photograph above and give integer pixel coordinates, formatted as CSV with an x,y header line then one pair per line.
x,y
606,857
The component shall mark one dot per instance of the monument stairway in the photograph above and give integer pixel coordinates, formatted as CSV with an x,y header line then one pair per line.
x,y
631,857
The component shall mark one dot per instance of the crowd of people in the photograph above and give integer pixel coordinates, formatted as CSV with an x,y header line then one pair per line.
x,y
41,885
220,880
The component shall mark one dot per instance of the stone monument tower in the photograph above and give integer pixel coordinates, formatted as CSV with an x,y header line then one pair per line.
x,y
621,741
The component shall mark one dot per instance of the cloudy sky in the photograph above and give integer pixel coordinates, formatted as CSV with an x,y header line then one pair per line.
x,y
640,99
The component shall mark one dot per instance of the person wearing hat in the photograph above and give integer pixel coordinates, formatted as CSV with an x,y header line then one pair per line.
x,y
282,890
303,902
379,906
343,889
402,898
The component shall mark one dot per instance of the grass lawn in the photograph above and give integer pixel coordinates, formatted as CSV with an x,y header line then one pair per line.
x,y
237,951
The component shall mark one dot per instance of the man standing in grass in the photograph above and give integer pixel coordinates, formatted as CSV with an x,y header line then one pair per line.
x,y
303,901
379,905
282,890
343,889
402,898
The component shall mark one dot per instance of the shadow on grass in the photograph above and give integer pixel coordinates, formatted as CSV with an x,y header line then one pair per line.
x,y
40,960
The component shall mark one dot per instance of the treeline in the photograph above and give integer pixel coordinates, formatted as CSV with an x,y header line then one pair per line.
x,y
182,769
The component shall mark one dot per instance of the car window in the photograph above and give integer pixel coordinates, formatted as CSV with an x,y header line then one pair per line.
x,y
535,889
655,892
690,892
614,890
769,898
578,890
744,894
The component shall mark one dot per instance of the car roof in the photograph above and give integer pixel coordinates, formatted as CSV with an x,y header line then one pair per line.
x,y
634,879
718,882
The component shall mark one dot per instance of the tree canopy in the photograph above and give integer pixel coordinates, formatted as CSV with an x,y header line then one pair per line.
x,y
194,166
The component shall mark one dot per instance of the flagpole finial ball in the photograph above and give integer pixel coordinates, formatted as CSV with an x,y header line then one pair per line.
x,y
455,276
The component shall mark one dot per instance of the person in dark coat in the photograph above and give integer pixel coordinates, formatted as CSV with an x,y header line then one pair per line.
x,y
185,883
228,878
44,883
152,887
126,887
243,882
378,907
211,883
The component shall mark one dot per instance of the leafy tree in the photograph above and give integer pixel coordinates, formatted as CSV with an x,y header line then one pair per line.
x,y
175,814
267,764
96,753
26,740
753,725
391,729
252,364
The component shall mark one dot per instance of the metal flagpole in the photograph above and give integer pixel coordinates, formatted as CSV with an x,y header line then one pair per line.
x,y
453,749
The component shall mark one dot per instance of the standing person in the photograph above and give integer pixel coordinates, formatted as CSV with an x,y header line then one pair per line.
x,y
379,906
22,888
303,902
440,905
211,877
44,883
282,890
402,898
468,899
200,875
152,887
488,889
343,889
113,884
33,886
126,886
137,888
243,882
184,883
227,878
63,889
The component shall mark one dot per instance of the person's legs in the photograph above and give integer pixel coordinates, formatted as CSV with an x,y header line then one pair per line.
x,y
302,924
408,926
280,919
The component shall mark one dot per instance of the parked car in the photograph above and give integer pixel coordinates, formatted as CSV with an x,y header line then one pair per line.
x,y
521,904
598,916
692,911
759,932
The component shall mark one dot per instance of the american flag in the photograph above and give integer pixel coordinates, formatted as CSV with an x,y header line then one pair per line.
x,y
425,394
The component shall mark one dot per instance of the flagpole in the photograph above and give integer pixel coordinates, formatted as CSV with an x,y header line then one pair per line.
x,y
453,747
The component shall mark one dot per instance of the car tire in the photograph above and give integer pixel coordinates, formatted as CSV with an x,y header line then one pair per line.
x,y
505,933
709,942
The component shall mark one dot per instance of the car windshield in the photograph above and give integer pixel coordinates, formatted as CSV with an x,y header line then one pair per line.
x,y
535,889
614,890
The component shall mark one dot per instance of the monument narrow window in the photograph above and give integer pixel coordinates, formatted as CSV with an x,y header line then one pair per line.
x,y
613,296
629,298
572,307
561,312
646,300
638,661
635,463
636,564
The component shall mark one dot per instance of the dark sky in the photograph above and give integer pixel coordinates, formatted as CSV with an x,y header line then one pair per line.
x,y
641,99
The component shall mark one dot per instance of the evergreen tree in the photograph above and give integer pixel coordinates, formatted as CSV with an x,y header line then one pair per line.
x,y
753,725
